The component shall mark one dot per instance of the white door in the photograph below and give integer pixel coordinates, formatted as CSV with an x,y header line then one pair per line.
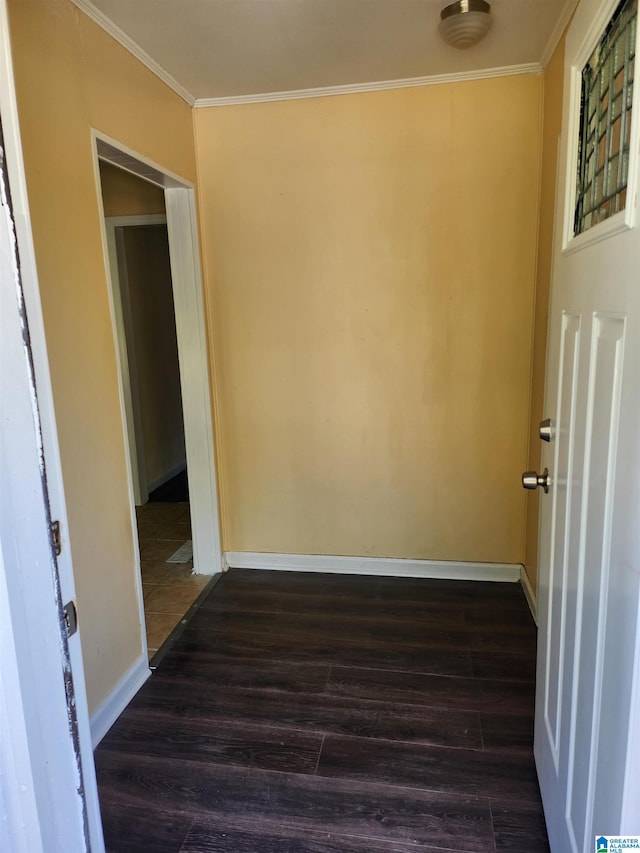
x,y
42,775
48,792
590,519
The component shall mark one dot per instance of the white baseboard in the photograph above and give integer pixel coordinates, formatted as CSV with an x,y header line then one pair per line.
x,y
168,475
529,593
110,708
373,566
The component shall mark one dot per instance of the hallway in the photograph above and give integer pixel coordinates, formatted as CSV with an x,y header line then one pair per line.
x,y
169,588
333,714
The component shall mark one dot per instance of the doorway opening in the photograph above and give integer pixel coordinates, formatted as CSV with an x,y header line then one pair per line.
x,y
145,316
157,311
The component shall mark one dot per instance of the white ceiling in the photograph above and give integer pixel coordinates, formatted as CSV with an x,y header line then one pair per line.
x,y
213,49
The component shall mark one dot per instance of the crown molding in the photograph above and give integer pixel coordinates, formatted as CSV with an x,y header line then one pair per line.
x,y
558,31
352,88
129,44
322,91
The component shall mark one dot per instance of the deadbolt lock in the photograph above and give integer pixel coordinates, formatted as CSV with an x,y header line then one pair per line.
x,y
546,432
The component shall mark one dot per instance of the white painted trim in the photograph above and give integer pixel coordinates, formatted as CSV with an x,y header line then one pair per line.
x,y
322,91
137,219
110,708
188,298
120,155
373,566
126,406
134,48
590,22
382,85
142,56
529,593
558,31
182,226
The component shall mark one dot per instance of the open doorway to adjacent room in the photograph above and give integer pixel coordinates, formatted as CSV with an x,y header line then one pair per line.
x,y
145,323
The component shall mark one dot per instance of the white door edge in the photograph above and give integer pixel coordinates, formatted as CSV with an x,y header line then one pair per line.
x,y
33,599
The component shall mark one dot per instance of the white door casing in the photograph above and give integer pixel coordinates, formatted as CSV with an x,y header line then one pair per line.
x,y
590,531
191,334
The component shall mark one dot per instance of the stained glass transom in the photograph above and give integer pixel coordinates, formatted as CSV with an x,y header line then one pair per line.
x,y
605,121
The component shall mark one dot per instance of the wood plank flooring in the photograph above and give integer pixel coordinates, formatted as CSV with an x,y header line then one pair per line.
x,y
304,713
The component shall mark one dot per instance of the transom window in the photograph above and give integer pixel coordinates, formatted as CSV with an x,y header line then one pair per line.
x,y
605,121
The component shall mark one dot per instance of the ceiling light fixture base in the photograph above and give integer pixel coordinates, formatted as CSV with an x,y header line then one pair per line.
x,y
465,22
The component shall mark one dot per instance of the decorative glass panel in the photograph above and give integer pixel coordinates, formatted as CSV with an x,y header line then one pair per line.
x,y
605,121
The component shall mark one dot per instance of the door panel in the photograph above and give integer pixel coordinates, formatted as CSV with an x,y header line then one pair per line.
x,y
590,562
557,615
47,779
602,422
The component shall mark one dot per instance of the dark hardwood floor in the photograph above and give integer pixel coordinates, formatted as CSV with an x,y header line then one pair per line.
x,y
304,713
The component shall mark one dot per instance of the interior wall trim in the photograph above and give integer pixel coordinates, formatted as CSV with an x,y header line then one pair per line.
x,y
382,85
558,31
134,48
388,566
110,708
529,594
188,297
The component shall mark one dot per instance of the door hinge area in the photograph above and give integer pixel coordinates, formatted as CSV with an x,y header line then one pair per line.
x,y
55,535
70,617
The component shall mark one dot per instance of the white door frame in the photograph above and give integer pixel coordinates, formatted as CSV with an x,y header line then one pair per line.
x,y
45,754
120,296
195,384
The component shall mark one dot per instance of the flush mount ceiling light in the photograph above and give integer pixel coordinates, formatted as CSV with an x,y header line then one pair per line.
x,y
465,22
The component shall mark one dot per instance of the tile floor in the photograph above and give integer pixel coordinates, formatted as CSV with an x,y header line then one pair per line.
x,y
169,588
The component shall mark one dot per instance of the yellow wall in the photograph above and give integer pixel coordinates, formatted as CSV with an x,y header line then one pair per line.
x,y
552,120
123,194
71,76
371,265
